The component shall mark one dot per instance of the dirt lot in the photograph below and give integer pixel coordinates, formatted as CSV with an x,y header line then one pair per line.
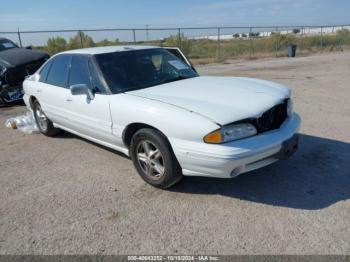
x,y
67,195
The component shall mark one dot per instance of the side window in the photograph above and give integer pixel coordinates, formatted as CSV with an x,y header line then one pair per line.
x,y
96,82
79,72
59,71
44,71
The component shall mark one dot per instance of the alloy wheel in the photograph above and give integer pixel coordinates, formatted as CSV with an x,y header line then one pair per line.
x,y
150,159
41,118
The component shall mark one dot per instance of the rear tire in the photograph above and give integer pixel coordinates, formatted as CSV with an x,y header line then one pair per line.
x,y
154,158
44,124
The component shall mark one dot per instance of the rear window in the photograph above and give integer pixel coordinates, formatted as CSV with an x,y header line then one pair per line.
x,y
6,44
59,71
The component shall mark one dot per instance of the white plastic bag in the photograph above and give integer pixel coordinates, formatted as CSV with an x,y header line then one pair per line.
x,y
25,123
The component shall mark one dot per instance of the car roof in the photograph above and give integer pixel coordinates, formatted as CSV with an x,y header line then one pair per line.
x,y
107,49
4,38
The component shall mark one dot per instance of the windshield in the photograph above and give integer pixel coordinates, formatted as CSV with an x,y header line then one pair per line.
x,y
137,69
6,44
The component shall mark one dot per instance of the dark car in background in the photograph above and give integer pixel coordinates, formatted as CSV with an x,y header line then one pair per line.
x,y
15,64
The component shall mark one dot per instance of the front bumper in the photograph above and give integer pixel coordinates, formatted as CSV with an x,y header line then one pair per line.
x,y
12,94
237,157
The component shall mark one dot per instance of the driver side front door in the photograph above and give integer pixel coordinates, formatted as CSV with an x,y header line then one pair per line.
x,y
89,117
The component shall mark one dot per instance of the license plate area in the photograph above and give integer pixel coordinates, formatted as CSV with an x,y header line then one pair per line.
x,y
15,95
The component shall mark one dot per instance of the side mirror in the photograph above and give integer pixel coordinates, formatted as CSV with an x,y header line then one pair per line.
x,y
28,47
81,89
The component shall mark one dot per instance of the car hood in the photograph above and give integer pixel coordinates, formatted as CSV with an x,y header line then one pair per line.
x,y
19,56
222,99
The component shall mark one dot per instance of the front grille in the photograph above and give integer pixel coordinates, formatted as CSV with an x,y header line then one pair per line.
x,y
272,118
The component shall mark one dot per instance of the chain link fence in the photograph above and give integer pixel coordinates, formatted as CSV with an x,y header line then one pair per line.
x,y
201,44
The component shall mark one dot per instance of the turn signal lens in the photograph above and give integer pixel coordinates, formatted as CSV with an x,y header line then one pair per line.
x,y
214,137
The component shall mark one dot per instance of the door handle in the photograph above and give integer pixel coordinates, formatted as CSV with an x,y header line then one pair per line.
x,y
69,100
38,90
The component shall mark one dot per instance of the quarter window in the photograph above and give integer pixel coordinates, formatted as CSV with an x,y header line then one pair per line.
x,y
59,71
44,71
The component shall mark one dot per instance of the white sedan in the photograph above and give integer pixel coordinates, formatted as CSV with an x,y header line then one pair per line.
x,y
150,104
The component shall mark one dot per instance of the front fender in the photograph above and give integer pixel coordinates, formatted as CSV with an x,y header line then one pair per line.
x,y
172,121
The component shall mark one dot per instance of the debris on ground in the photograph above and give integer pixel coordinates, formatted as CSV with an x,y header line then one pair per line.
x,y
24,123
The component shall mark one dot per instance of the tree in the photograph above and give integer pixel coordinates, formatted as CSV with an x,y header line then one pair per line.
x,y
236,35
244,35
55,45
81,40
296,31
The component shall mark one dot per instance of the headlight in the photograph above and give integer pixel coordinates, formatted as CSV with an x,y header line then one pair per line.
x,y
230,133
289,107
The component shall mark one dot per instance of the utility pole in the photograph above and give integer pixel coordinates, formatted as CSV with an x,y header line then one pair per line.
x,y
19,38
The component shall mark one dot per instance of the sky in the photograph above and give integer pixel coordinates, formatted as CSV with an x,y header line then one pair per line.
x,y
82,14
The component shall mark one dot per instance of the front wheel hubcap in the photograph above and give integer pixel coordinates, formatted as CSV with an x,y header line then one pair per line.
x,y
41,118
150,159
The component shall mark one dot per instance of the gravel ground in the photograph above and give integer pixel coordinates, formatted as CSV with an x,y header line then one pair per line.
x,y
65,195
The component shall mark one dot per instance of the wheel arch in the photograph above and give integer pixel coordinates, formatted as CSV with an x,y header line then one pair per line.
x,y
32,99
132,128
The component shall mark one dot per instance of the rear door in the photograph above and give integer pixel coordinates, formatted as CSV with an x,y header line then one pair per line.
x,y
89,117
52,91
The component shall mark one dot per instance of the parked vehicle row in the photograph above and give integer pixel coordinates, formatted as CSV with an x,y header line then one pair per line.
x,y
150,104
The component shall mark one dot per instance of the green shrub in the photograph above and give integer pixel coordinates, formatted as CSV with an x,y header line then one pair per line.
x,y
55,45
182,42
81,40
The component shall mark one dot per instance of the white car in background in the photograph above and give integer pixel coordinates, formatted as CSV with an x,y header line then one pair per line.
x,y
150,104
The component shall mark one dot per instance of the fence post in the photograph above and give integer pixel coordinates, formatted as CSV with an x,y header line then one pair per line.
x,y
134,34
19,38
250,43
81,39
147,34
179,37
321,39
276,44
218,46
301,38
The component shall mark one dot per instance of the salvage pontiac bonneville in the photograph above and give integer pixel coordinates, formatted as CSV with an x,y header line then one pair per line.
x,y
150,104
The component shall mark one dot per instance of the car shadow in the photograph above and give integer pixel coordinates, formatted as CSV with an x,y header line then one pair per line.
x,y
317,176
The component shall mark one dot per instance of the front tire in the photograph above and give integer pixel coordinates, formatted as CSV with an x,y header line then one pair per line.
x,y
154,159
44,124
